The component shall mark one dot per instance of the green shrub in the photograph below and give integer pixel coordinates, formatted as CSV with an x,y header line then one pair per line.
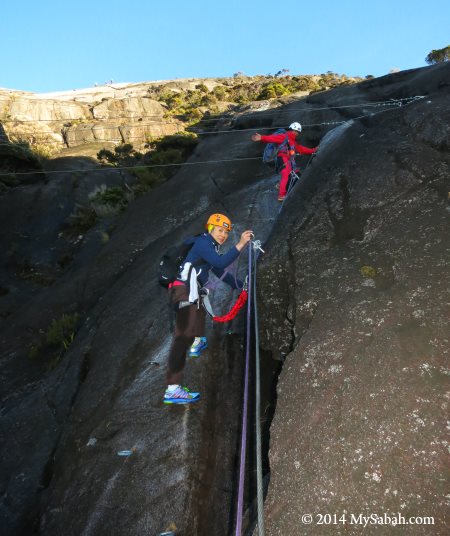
x,y
15,158
150,177
244,92
80,221
109,201
192,115
208,100
106,156
272,90
147,179
438,56
184,141
61,332
39,274
57,339
110,196
202,88
241,89
123,155
172,99
164,157
302,83
172,149
220,92
42,149
102,202
123,150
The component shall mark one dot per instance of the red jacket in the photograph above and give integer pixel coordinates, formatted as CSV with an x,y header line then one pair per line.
x,y
291,145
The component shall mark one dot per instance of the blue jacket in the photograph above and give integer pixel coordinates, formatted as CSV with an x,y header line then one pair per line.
x,y
204,255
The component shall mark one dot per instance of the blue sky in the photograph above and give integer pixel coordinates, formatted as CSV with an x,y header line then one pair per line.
x,y
52,46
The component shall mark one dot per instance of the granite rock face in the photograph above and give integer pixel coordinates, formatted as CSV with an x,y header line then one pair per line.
x,y
359,274
73,119
64,422
353,300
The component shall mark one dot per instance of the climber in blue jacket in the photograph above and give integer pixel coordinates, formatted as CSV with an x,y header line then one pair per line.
x,y
184,295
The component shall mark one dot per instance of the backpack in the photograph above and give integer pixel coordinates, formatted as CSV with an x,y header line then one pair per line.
x,y
271,150
171,263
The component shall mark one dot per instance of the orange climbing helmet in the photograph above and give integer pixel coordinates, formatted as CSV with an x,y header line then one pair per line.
x,y
220,220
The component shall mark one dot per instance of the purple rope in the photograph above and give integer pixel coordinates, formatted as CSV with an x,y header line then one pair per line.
x,y
240,504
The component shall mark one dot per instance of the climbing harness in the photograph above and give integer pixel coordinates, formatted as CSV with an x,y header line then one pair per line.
x,y
204,299
294,178
175,271
293,175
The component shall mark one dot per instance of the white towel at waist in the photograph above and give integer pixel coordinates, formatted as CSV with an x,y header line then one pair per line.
x,y
193,286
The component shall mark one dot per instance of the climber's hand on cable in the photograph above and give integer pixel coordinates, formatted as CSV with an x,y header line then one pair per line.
x,y
256,137
246,236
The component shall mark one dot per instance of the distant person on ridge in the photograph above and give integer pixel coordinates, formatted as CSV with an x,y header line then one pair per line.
x,y
184,293
287,149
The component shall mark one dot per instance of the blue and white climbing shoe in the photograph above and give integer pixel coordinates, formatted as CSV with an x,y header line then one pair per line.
x,y
180,395
199,344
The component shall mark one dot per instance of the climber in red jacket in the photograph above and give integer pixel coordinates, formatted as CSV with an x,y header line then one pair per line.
x,y
287,149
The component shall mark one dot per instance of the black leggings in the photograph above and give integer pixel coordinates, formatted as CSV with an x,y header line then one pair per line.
x,y
190,323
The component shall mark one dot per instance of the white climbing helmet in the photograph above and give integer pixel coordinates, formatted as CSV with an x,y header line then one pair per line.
x,y
295,126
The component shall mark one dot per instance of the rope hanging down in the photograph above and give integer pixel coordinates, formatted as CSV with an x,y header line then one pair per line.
x,y
252,258
240,500
240,302
259,471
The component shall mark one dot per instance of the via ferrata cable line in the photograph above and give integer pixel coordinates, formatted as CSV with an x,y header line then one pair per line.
x,y
389,106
